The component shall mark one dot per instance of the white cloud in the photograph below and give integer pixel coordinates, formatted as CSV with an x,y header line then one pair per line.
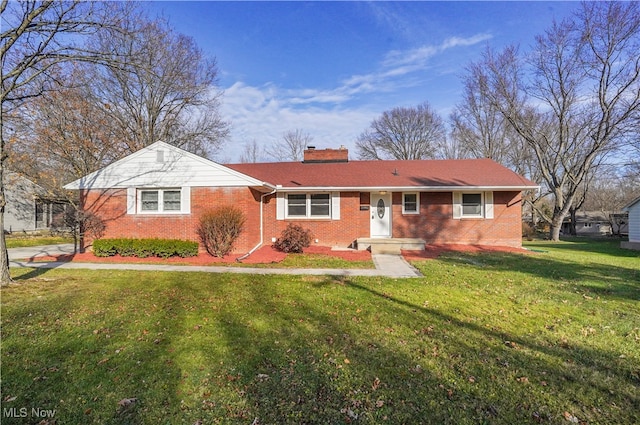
x,y
470,41
420,55
264,113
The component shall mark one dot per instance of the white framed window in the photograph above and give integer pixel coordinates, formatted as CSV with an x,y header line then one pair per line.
x,y
320,205
308,205
161,201
411,203
296,205
472,205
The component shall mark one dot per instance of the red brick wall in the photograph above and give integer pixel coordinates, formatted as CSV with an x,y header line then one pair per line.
x,y
434,224
326,155
111,207
353,223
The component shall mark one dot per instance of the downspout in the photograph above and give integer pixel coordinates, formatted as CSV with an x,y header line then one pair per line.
x,y
251,251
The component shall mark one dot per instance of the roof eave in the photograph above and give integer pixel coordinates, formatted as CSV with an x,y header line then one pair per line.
x,y
404,188
630,204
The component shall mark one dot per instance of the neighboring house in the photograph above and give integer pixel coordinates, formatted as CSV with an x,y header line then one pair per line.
x,y
29,208
162,191
591,223
633,208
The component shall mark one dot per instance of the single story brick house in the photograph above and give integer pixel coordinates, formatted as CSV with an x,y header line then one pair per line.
x,y
162,191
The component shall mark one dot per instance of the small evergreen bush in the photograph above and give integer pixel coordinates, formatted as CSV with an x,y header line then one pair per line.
x,y
143,248
293,239
220,228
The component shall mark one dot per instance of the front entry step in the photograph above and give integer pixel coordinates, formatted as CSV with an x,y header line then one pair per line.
x,y
390,245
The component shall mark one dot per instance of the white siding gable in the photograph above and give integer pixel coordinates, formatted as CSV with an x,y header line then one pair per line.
x,y
163,165
634,222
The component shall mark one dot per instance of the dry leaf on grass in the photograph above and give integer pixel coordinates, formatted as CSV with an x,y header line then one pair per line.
x,y
127,402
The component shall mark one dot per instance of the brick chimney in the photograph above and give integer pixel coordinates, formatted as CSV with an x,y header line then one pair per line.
x,y
313,155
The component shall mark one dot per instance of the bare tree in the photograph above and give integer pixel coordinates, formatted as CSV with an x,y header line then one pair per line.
x,y
69,131
36,37
609,192
403,133
251,153
166,89
291,147
574,97
481,131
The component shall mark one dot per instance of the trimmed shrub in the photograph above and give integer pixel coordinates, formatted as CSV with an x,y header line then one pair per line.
x,y
143,248
293,239
220,228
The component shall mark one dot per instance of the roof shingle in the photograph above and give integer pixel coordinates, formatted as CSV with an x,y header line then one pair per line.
x,y
425,174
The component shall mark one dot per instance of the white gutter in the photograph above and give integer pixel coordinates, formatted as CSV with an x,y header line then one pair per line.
x,y
404,188
252,250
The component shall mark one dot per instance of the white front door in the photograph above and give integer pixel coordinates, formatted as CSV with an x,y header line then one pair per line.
x,y
380,215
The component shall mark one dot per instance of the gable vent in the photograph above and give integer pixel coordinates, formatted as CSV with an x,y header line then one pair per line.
x,y
160,156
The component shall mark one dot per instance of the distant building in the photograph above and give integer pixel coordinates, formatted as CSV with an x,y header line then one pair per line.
x,y
29,208
590,223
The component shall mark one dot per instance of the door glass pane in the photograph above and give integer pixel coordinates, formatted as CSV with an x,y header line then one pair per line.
x,y
171,200
380,208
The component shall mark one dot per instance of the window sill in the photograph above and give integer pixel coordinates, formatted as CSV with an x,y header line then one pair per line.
x,y
308,218
160,214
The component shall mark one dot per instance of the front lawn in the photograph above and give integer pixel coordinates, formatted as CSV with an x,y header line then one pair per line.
x,y
20,241
552,337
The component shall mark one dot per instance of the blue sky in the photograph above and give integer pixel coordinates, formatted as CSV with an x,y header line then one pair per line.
x,y
330,68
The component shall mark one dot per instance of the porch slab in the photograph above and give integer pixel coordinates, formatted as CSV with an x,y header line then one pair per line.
x,y
390,245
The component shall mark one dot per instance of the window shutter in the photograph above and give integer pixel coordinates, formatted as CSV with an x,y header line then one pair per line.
x,y
488,205
335,205
131,200
280,206
457,205
185,200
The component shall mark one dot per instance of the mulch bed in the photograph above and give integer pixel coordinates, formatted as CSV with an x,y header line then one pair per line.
x,y
269,255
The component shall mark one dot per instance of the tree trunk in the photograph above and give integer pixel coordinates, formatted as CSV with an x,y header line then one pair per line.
x,y
556,226
572,222
5,276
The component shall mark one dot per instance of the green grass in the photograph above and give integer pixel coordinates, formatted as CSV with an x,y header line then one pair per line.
x,y
318,261
485,338
27,241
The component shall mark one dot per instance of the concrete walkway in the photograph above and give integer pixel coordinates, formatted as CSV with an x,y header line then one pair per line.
x,y
40,251
387,265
